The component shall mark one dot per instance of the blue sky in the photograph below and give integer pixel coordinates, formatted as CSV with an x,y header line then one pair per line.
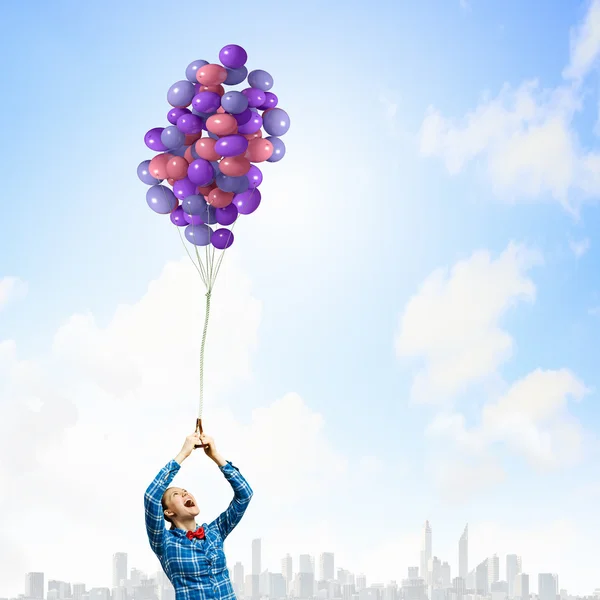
x,y
353,220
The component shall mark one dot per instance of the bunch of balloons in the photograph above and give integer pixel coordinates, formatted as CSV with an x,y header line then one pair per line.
x,y
213,178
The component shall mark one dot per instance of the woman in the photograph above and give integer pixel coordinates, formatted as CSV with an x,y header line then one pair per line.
x,y
191,556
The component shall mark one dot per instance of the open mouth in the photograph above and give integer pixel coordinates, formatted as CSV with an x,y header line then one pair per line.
x,y
189,503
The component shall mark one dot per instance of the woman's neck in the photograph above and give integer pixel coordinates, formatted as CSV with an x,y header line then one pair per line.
x,y
186,525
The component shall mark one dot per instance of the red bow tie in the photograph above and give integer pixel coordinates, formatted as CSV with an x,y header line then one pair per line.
x,y
199,533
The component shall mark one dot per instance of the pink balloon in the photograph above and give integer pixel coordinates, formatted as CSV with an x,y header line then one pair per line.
x,y
177,168
205,148
259,150
221,124
205,190
190,138
235,166
220,110
188,154
253,136
171,182
158,165
219,199
211,74
217,89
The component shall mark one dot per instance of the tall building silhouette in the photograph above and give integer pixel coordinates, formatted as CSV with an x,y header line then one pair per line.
x,y
493,570
522,586
426,553
547,586
238,580
119,568
326,566
513,568
463,553
286,571
34,585
256,565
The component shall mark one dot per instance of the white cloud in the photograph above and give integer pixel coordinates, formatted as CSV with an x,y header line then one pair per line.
x,y
453,322
11,288
526,135
531,419
84,429
580,247
585,44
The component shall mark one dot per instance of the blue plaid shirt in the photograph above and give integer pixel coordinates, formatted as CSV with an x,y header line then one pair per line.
x,y
196,568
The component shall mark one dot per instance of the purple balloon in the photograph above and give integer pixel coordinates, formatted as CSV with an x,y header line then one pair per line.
x,y
201,172
193,219
234,102
190,124
252,126
194,205
192,70
180,94
178,217
184,188
278,149
221,239
231,145
199,235
161,199
254,176
255,97
270,102
153,141
233,56
227,215
260,79
235,76
276,122
175,113
247,202
243,117
206,102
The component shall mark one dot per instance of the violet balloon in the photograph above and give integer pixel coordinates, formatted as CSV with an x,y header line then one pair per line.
x,y
247,202
161,199
190,124
184,188
234,102
231,145
222,238
180,94
199,235
227,215
144,175
193,219
233,56
171,137
252,126
260,79
175,113
237,185
254,176
206,102
178,217
243,117
201,172
235,76
194,205
255,97
270,102
276,122
278,149
153,141
192,69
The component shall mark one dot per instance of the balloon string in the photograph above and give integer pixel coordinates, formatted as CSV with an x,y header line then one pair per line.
x,y
208,273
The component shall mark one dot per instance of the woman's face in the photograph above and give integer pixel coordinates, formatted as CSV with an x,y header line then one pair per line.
x,y
180,504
